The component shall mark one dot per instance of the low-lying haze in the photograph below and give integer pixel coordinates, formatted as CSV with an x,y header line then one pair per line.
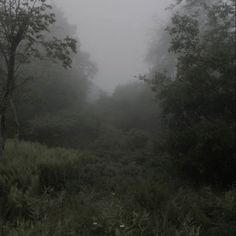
x,y
116,34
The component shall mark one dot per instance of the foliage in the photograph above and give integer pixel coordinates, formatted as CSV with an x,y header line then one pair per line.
x,y
50,95
198,104
66,192
58,115
125,176
23,24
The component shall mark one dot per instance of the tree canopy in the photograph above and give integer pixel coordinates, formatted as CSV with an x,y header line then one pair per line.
x,y
23,25
199,101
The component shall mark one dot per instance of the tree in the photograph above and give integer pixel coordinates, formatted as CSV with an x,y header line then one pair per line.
x,y
23,24
199,102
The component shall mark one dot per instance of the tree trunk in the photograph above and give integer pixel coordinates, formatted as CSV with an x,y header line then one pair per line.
x,y
16,120
1,141
6,100
2,135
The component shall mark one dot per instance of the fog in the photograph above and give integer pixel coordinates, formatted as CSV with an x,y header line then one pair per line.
x,y
118,155
116,34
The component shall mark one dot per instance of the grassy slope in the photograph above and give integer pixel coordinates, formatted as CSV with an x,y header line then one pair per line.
x,y
64,192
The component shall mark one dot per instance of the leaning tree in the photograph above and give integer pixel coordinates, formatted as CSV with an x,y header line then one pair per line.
x,y
24,28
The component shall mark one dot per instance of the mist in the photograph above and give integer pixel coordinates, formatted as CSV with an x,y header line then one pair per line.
x,y
116,33
117,117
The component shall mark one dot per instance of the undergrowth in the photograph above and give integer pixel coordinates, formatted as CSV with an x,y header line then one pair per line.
x,y
66,192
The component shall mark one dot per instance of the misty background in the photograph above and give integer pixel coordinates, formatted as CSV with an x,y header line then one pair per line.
x,y
116,33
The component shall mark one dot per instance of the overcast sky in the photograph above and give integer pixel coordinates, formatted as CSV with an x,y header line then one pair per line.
x,y
116,34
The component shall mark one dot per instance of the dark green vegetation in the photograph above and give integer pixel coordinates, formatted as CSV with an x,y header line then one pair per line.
x,y
198,102
65,192
25,37
138,162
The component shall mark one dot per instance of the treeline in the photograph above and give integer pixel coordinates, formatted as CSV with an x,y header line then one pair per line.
x,y
189,115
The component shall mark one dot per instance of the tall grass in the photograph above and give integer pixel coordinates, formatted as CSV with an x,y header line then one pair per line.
x,y
65,192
